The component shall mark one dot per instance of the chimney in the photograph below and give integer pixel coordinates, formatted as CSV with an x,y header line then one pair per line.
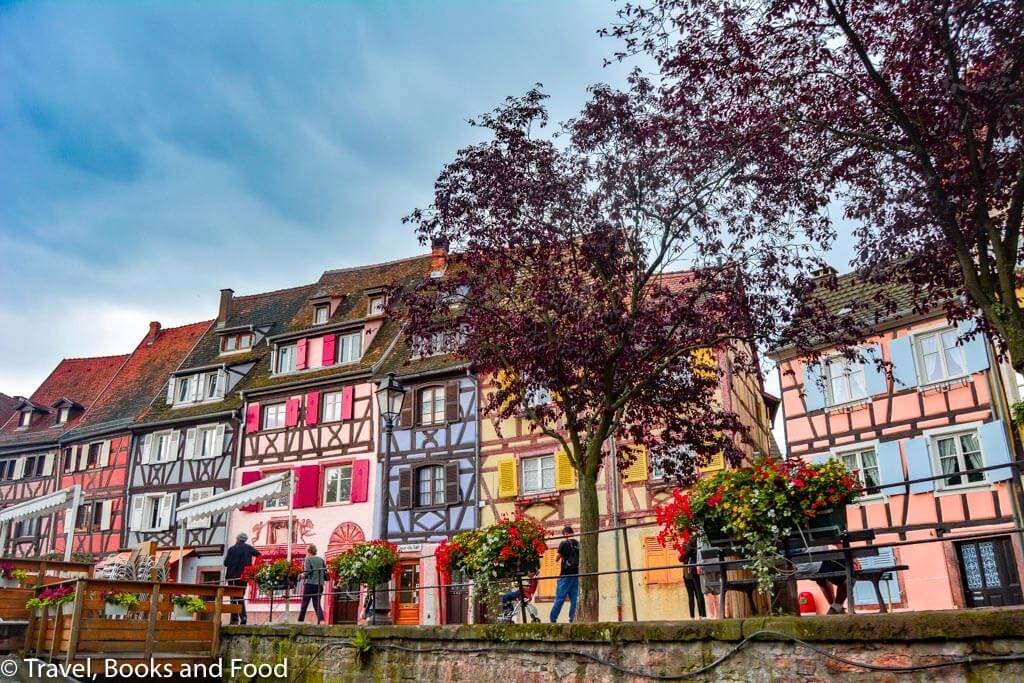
x,y
154,332
225,306
438,255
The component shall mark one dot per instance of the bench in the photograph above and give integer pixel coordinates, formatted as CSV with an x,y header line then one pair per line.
x,y
716,565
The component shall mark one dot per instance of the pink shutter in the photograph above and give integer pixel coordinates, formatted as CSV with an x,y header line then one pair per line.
x,y
328,357
252,418
307,486
346,403
291,412
360,480
301,351
248,478
312,407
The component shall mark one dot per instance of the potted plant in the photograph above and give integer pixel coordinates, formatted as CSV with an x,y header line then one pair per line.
x,y
36,604
370,563
274,575
761,507
508,548
116,605
186,605
8,578
61,597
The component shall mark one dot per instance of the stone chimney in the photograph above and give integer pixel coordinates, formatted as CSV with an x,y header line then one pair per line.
x,y
438,255
225,306
154,332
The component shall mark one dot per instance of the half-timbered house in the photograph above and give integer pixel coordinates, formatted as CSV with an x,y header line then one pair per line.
x,y
185,445
942,411
29,443
95,453
311,409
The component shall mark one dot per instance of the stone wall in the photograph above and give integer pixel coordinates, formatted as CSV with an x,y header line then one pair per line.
x,y
589,653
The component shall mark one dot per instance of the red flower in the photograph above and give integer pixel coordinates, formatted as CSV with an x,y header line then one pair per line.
x,y
798,483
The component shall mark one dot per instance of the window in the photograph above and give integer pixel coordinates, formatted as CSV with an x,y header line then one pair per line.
x,y
194,496
959,453
93,458
213,389
845,380
537,398
151,519
7,469
236,342
331,407
277,533
538,474
321,314
62,415
286,359
164,448
26,419
89,517
430,486
282,499
338,484
939,357
377,305
69,460
431,406
273,416
185,389
865,464
26,528
349,349
206,443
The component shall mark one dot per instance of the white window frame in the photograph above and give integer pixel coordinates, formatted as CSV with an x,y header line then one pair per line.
x,y
151,510
277,411
26,418
321,314
918,337
331,406
954,432
211,380
858,450
349,348
201,435
63,414
159,455
846,369
184,389
541,463
285,351
339,468
282,501
433,411
432,480
372,308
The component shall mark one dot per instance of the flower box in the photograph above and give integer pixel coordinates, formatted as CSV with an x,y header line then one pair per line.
x,y
181,613
112,611
9,583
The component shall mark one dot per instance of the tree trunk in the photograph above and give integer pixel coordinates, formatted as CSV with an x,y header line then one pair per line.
x,y
587,609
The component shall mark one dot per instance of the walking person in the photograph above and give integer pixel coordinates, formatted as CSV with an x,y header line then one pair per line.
x,y
239,556
314,571
568,585
691,578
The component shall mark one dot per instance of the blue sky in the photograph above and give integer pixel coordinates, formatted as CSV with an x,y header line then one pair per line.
x,y
154,152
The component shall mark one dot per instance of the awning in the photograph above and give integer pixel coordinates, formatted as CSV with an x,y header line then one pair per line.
x,y
175,554
40,507
256,492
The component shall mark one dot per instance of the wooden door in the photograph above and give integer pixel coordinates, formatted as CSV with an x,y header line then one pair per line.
x,y
456,608
989,573
346,606
407,599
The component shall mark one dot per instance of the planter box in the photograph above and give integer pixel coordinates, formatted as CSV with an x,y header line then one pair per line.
x,y
115,611
67,608
9,583
181,614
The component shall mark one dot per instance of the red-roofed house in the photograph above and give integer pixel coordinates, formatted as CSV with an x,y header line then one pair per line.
x,y
29,441
95,453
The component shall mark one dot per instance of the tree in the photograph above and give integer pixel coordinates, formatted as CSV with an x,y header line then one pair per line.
x,y
910,112
592,265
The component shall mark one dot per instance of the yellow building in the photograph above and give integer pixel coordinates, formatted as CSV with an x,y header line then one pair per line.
x,y
523,471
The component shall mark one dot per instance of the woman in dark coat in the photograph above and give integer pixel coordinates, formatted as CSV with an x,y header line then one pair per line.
x,y
691,578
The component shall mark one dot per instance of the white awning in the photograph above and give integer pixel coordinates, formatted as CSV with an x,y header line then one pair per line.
x,y
256,492
39,507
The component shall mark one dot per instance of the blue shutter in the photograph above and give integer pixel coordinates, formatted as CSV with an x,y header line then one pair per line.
x,y
994,450
815,395
864,592
904,371
975,352
874,377
890,467
919,464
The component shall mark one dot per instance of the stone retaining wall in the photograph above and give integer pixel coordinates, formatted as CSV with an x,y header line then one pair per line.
x,y
589,653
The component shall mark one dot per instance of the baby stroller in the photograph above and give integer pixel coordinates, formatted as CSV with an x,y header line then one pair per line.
x,y
513,614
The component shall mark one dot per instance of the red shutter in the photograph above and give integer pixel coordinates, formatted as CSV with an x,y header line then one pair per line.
x,y
307,486
301,350
248,478
312,407
252,418
346,403
328,357
291,412
360,481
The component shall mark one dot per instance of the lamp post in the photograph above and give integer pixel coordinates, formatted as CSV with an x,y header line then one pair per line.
x,y
390,397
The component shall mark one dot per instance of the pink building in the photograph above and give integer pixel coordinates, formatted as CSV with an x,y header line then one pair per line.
x,y
944,412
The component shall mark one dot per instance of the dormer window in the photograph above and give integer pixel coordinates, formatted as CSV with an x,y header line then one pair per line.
x,y
236,342
63,414
286,359
376,305
185,389
349,347
212,382
26,419
321,313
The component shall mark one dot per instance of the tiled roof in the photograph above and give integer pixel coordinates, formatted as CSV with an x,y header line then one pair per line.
x,y
401,362
78,379
7,406
144,375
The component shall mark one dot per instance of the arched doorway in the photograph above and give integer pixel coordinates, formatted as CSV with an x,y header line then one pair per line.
x,y
345,602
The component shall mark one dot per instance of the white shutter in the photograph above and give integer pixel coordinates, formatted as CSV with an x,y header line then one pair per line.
x,y
172,453
190,443
166,511
218,441
105,512
138,506
48,466
222,383
19,467
105,454
147,449
83,457
170,390
195,496
197,387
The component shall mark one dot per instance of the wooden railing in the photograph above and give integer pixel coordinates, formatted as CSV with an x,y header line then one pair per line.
x,y
80,630
48,571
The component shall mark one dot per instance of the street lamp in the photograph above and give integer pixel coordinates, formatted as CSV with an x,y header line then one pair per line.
x,y
390,397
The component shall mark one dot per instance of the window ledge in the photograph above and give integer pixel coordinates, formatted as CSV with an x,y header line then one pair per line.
x,y
525,500
974,487
945,384
849,406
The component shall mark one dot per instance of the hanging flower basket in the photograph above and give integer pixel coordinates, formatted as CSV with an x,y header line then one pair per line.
x,y
508,548
276,575
371,563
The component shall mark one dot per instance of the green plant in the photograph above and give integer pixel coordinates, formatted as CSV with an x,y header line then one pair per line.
x,y
510,546
1018,412
273,575
51,597
361,641
19,575
370,563
128,600
191,603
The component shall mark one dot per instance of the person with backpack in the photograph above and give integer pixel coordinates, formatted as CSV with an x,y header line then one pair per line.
x,y
568,585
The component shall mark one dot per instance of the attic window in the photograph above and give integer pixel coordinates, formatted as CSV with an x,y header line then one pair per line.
x,y
236,342
321,314
62,415
377,305
26,419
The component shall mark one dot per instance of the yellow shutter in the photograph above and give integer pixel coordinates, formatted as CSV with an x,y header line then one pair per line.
x,y
657,556
508,481
704,365
565,475
549,566
637,471
717,463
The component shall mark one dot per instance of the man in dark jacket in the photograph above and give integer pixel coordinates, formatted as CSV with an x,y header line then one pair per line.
x,y
239,557
568,585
